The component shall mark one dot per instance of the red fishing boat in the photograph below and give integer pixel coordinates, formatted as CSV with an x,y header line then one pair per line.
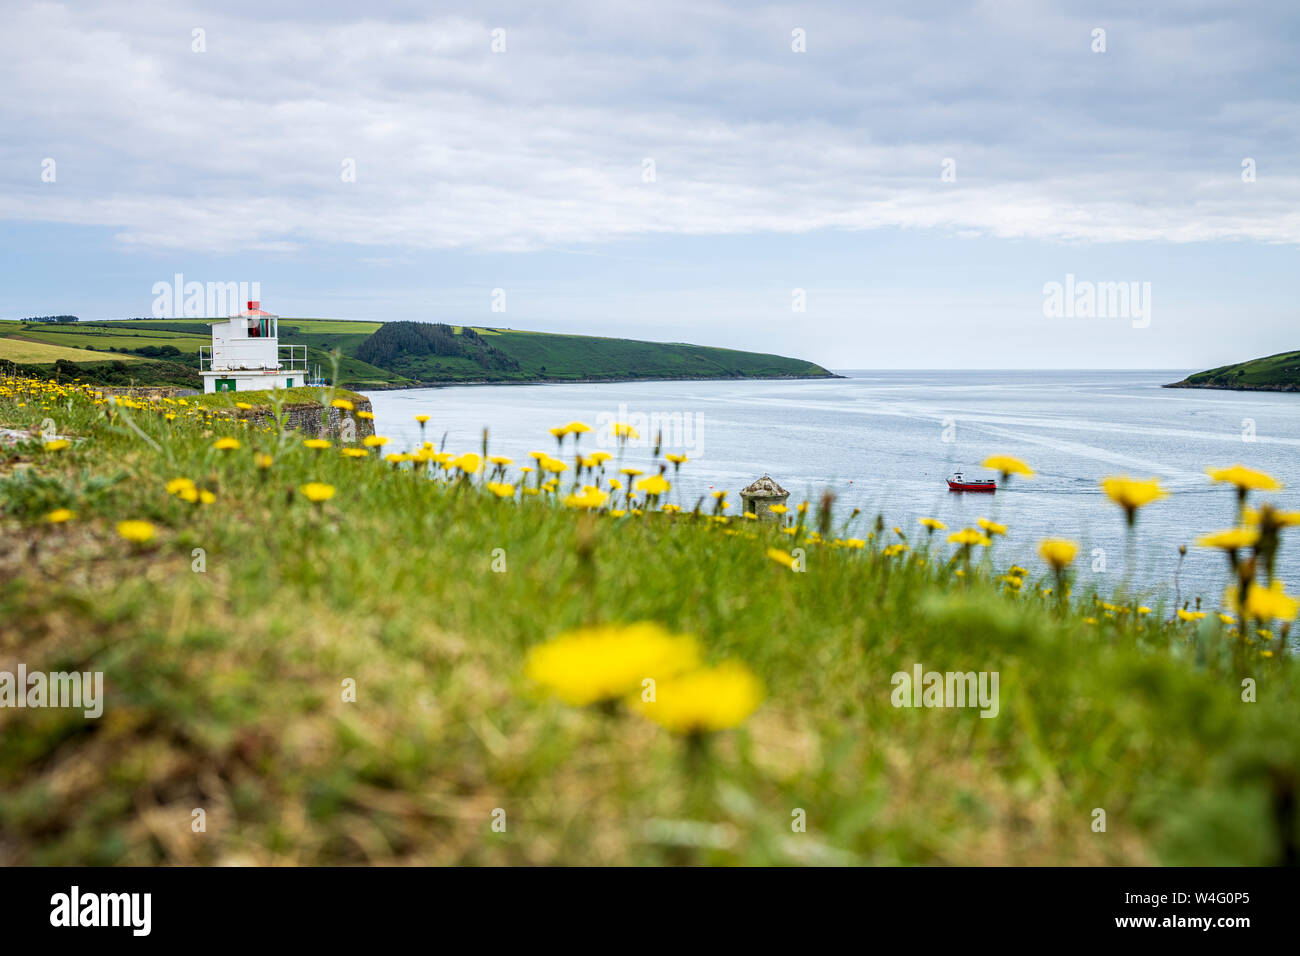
x,y
958,483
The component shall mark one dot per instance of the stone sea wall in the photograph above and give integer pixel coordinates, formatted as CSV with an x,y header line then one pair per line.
x,y
308,420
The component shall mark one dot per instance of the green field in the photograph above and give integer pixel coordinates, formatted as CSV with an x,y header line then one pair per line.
x,y
1279,372
535,356
348,681
31,349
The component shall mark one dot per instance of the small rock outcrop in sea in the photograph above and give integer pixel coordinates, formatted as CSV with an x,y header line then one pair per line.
x,y
759,497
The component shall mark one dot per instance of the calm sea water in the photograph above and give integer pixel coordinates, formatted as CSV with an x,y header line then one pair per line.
x,y
884,441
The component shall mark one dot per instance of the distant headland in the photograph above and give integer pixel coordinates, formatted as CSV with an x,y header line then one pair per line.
x,y
1274,373
380,355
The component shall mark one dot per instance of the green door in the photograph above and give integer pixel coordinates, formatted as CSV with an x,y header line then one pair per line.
x,y
225,385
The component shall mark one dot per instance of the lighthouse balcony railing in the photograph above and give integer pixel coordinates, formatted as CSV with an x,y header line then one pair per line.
x,y
289,358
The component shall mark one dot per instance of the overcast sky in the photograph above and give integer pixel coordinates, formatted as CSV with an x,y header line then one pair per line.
x,y
226,156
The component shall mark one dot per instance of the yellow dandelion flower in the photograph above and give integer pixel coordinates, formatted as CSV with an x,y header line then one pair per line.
x,y
654,485
1058,552
1246,479
992,527
342,403
622,430
1271,603
244,406
968,537
374,441
226,444
1132,493
1008,465
58,444
317,491
1233,539
932,524
501,460
177,485
777,509
590,497
597,664
60,515
704,701
137,532
263,460
781,557
501,489
317,443
355,452
676,459
1186,615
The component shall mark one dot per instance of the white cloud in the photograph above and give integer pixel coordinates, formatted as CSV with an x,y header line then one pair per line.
x,y
242,147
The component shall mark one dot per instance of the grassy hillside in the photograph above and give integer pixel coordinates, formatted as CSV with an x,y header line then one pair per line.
x,y
1279,372
354,680
528,356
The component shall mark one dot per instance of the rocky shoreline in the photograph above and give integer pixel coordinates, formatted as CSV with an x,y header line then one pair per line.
x,y
598,380
1185,383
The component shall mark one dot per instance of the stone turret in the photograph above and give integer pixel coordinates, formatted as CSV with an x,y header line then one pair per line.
x,y
759,497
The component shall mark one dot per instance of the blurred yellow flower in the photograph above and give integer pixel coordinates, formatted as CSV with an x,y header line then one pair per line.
x,y
777,509
1008,465
704,701
57,444
933,524
316,443
605,663
262,460
226,444
576,428
421,418
992,527
1132,493
600,457
374,441
1233,539
60,515
177,485
676,459
590,497
501,460
1271,603
967,537
1246,479
137,532
1186,615
501,489
1058,552
654,485
317,491
355,452
781,557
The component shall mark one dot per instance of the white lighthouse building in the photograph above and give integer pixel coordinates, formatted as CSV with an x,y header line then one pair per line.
x,y
246,355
